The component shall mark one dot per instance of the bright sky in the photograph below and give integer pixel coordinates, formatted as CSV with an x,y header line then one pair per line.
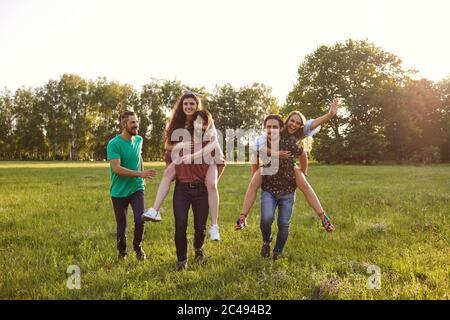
x,y
208,42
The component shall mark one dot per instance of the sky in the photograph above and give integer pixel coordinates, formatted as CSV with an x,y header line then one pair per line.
x,y
209,42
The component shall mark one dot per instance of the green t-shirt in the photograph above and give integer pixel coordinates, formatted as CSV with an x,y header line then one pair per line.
x,y
129,153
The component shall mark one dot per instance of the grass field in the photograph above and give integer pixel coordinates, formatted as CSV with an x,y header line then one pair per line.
x,y
53,215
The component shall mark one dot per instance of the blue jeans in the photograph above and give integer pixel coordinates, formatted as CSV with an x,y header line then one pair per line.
x,y
269,203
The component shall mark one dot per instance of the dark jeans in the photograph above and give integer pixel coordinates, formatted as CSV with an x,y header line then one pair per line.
x,y
120,210
184,197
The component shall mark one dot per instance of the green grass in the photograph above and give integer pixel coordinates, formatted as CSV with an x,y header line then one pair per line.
x,y
53,215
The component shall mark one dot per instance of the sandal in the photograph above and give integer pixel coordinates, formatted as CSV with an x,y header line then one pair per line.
x,y
326,223
241,223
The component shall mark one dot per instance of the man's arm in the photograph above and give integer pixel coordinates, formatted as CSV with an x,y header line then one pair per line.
x,y
255,167
255,162
124,172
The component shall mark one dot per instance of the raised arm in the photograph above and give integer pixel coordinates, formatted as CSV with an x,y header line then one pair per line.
x,y
330,114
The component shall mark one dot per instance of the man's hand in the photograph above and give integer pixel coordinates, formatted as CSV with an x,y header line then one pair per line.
x,y
147,174
281,154
334,106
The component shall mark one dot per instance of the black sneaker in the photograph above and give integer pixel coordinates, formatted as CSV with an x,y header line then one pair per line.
x,y
182,266
122,256
199,255
140,255
276,256
265,250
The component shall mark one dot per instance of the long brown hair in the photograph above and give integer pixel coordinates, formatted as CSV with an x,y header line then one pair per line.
x,y
205,115
304,141
177,119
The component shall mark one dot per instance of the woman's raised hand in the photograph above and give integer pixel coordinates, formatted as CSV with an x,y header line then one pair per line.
x,y
334,106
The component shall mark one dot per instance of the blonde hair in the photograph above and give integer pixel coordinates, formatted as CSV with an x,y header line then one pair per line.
x,y
305,142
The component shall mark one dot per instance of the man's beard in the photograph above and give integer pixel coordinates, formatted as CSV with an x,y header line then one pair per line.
x,y
131,133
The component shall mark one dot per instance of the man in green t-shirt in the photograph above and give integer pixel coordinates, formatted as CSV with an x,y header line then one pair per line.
x,y
127,182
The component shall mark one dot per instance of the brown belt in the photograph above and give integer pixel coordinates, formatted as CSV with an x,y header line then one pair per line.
x,y
192,185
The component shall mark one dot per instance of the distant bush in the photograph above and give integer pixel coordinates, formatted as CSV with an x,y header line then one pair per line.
x,y
429,154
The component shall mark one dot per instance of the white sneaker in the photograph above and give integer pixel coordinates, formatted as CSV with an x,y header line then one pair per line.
x,y
151,215
214,232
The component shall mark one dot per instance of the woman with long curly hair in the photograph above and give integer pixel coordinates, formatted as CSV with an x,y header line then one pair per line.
x,y
182,117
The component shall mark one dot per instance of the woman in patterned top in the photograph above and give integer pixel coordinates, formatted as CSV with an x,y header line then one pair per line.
x,y
283,181
298,129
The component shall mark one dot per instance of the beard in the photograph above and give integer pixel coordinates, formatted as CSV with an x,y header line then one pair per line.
x,y
131,132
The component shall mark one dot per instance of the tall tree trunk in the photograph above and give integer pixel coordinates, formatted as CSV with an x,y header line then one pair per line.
x,y
73,150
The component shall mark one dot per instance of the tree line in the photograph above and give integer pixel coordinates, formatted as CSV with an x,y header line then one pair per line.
x,y
73,119
388,112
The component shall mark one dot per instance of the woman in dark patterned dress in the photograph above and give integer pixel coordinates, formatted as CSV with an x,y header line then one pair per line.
x,y
296,129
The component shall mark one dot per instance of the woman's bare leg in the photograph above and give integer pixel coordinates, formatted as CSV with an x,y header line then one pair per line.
x,y
308,192
213,193
164,186
312,199
250,195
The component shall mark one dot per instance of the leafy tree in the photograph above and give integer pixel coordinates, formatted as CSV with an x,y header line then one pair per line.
x,y
399,125
422,101
107,101
357,71
156,102
386,115
73,97
243,108
444,116
6,124
256,102
56,121
28,123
